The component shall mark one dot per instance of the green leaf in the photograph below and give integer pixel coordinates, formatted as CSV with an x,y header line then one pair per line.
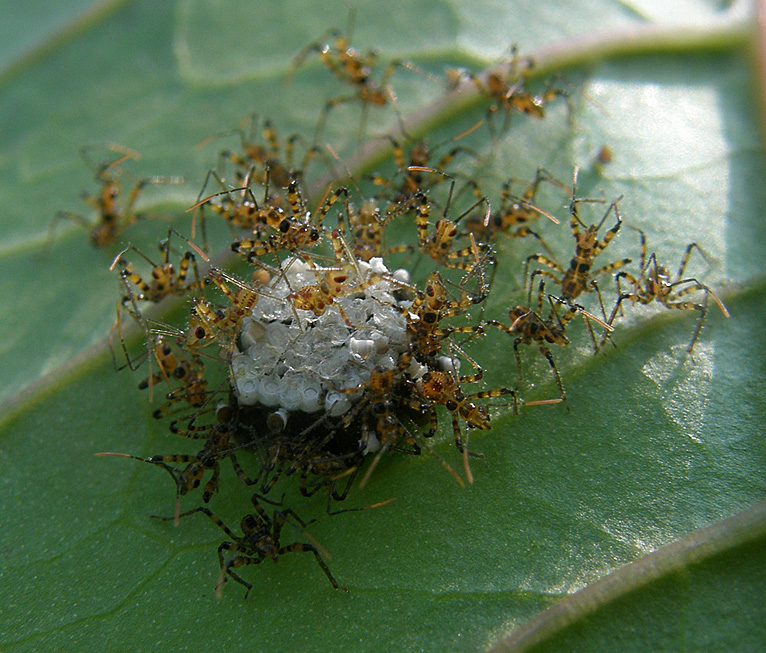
x,y
657,448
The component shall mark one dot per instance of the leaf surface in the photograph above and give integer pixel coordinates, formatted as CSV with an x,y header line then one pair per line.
x,y
656,446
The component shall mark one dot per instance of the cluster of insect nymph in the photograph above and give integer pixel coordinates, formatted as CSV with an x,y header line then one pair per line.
x,y
346,333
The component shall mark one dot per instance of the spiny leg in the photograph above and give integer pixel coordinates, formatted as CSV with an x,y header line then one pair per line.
x,y
300,547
